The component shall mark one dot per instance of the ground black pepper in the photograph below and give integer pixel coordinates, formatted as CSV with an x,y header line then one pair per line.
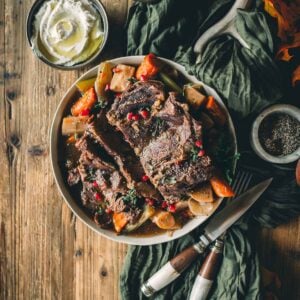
x,y
279,134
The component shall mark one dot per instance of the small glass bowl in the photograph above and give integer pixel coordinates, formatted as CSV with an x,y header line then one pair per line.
x,y
291,110
29,29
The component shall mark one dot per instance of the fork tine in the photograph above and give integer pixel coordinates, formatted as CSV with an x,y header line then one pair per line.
x,y
245,183
248,182
239,183
237,177
236,183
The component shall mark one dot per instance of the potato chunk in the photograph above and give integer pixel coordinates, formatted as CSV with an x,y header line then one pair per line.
x,y
165,220
203,193
194,98
72,125
119,81
103,78
198,209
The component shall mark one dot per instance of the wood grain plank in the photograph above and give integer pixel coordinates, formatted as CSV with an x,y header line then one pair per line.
x,y
279,251
37,215
6,264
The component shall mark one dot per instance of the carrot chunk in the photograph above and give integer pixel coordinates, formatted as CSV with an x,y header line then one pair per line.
x,y
148,68
84,103
120,220
221,187
215,111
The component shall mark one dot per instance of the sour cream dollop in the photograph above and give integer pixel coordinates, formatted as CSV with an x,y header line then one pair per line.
x,y
67,32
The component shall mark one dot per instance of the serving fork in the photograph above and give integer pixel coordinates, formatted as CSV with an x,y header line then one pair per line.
x,y
210,266
174,268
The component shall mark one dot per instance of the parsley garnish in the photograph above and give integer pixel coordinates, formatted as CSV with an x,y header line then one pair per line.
x,y
224,157
91,175
131,197
158,126
101,104
168,180
194,153
68,163
132,80
100,210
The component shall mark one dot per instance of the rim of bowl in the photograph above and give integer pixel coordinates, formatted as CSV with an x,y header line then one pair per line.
x,y
255,143
72,203
29,32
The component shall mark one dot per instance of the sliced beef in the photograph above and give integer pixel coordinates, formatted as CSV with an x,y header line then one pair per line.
x,y
101,176
165,142
141,95
137,96
98,175
129,164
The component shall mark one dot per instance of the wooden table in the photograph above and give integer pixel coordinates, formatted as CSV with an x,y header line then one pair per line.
x,y
45,252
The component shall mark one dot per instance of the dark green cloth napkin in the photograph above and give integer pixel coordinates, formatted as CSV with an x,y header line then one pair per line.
x,y
248,81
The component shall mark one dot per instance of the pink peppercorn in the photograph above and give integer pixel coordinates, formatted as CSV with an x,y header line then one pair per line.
x,y
145,178
201,153
198,144
172,208
135,117
130,116
164,204
98,197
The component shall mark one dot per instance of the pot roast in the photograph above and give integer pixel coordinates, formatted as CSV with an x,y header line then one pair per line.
x,y
164,141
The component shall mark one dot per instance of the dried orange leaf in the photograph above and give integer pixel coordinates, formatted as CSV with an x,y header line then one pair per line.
x,y
287,14
282,23
283,51
283,54
296,76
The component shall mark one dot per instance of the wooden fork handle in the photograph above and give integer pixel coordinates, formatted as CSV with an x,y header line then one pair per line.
x,y
172,269
207,273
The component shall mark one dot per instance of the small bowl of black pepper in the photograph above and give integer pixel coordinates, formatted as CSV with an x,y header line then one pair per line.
x,y
275,134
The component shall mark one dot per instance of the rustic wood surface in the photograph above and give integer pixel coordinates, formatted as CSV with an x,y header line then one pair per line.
x,y
45,252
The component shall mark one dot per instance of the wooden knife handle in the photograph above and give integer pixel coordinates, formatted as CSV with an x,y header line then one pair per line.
x,y
172,269
207,273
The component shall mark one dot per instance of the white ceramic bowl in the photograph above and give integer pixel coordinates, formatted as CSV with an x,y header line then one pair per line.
x,y
254,139
54,153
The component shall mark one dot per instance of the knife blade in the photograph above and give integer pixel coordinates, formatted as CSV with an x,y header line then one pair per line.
x,y
217,225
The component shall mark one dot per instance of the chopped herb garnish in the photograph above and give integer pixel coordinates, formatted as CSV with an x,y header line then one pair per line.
x,y
132,80
91,175
158,125
68,163
100,210
194,153
131,197
101,103
168,180
224,156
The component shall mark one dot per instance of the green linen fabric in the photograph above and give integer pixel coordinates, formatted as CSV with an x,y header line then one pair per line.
x,y
247,80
